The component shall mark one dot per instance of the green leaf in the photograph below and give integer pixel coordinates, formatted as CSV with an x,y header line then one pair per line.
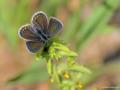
x,y
107,29
35,73
80,68
71,27
96,22
50,68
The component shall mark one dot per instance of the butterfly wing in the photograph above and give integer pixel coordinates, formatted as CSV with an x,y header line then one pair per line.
x,y
34,46
27,32
54,27
40,22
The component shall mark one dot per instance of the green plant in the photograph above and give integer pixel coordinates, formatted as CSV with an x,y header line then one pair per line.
x,y
62,68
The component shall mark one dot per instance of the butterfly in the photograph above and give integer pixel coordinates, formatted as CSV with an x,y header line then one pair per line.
x,y
40,31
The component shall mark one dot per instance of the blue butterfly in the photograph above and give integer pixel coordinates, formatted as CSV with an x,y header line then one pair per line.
x,y
40,31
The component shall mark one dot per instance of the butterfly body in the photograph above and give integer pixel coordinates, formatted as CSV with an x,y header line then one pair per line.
x,y
40,31
43,36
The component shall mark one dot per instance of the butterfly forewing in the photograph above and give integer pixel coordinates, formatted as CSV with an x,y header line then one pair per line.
x,y
40,21
27,33
54,27
34,46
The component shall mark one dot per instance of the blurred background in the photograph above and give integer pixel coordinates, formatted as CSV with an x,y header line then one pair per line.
x,y
91,28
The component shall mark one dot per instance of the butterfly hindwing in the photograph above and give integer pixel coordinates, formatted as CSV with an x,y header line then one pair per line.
x,y
27,32
34,46
54,27
40,21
